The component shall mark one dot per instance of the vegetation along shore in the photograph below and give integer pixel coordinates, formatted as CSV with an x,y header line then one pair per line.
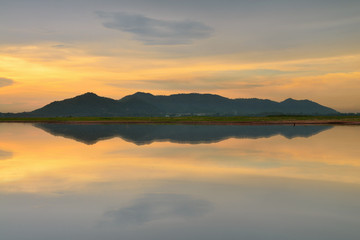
x,y
341,120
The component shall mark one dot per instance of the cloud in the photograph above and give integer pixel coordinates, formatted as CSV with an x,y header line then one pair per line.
x,y
6,82
210,81
152,31
160,207
5,155
200,84
59,46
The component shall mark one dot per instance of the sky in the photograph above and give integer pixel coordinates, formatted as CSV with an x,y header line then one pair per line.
x,y
273,49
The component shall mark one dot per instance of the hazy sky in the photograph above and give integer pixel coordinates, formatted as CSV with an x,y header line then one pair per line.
x,y
308,49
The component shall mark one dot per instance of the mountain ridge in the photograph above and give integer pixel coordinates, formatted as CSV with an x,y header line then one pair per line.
x,y
181,104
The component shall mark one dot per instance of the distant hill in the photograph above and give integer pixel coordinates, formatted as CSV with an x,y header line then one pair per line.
x,y
146,104
90,104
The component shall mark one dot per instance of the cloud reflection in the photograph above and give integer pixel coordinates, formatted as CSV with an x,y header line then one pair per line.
x,y
154,207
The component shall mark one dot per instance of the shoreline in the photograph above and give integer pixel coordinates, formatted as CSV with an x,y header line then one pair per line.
x,y
259,122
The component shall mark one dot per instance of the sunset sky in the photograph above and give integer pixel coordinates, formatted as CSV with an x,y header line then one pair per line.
x,y
275,49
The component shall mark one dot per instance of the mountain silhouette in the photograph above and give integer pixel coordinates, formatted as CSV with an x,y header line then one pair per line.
x,y
90,104
192,104
140,134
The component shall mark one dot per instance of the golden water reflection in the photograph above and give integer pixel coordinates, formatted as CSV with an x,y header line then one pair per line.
x,y
271,187
40,162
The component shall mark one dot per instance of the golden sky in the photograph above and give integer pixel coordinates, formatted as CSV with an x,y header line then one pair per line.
x,y
275,49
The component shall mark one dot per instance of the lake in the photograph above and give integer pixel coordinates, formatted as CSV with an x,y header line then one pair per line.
x,y
154,182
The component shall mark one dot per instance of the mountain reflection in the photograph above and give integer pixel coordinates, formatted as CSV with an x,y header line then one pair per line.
x,y
141,134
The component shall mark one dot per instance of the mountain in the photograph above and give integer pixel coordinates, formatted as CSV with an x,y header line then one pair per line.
x,y
141,134
210,104
292,106
146,104
90,104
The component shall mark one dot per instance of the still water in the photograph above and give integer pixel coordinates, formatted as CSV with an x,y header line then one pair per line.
x,y
154,182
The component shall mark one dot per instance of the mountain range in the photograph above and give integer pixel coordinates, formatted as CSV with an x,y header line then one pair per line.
x,y
192,104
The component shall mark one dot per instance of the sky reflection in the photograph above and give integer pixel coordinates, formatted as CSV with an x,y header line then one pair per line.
x,y
265,188
45,163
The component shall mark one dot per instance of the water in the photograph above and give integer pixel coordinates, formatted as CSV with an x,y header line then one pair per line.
x,y
135,182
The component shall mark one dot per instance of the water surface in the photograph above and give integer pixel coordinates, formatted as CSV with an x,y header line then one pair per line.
x,y
116,181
